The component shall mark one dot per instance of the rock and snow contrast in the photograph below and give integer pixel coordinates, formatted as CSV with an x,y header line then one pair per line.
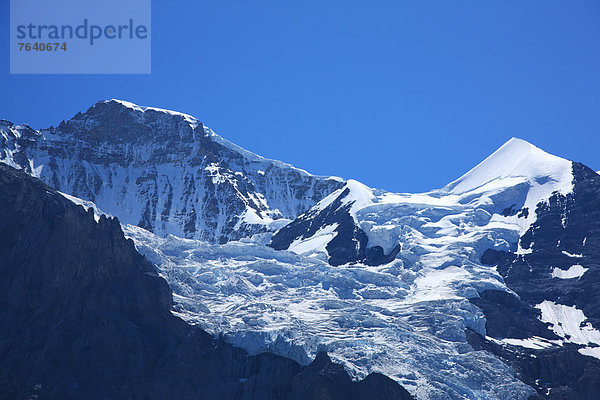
x,y
494,197
482,289
164,171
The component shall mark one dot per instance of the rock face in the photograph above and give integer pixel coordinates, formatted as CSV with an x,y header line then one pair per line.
x,y
163,171
556,277
84,316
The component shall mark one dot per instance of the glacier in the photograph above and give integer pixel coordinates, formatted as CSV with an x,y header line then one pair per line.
x,y
370,319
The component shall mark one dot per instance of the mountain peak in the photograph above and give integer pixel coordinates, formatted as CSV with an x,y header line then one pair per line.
x,y
111,105
353,192
118,121
516,158
142,109
164,171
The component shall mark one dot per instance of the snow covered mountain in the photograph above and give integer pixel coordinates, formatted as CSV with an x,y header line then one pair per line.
x,y
495,197
482,289
163,171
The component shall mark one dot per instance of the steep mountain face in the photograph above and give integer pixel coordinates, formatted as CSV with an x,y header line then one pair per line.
x,y
84,316
163,171
554,323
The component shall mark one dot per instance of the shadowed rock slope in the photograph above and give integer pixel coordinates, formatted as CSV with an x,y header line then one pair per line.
x,y
84,316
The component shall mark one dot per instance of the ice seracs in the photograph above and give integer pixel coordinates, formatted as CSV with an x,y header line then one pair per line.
x,y
439,236
366,317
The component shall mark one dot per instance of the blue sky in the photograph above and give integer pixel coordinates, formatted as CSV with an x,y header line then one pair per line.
x,y
402,95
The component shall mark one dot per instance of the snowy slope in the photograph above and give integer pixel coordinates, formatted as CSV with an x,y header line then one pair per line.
x,y
519,161
164,171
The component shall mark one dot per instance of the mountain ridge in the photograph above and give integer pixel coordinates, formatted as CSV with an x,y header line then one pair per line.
x,y
116,152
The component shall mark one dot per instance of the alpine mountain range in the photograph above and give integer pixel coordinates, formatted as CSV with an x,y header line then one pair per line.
x,y
145,256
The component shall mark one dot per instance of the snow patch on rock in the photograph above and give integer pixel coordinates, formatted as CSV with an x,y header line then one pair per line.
x,y
569,323
87,205
575,271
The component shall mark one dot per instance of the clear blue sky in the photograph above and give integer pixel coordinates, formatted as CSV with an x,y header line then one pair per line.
x,y
402,95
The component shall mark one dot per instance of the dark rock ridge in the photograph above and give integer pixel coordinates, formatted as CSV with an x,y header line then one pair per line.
x,y
350,244
163,171
556,373
84,316
566,233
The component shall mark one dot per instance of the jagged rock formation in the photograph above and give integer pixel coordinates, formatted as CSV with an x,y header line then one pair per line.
x,y
84,316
